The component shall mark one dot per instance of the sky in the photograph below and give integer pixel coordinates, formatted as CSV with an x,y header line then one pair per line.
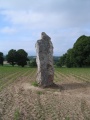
x,y
22,21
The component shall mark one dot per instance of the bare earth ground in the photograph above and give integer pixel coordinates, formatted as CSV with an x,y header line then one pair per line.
x,y
22,101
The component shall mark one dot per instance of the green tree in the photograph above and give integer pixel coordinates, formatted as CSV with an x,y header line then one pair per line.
x,y
79,55
1,58
63,60
82,51
70,58
11,57
32,63
22,57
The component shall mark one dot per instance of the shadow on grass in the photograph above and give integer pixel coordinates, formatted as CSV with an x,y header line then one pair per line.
x,y
69,86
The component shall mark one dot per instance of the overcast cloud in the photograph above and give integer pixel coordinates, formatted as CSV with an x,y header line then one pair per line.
x,y
22,21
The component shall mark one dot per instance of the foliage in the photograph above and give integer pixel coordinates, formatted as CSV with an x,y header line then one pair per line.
x,y
22,57
12,57
82,51
1,58
58,64
79,55
17,57
63,60
32,63
56,59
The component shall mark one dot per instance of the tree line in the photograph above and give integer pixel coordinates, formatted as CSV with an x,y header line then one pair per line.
x,y
19,57
79,55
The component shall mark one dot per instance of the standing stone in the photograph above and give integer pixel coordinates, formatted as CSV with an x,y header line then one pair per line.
x,y
44,50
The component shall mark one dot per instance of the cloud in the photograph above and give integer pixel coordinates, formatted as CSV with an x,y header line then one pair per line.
x,y
61,13
8,30
22,17
63,20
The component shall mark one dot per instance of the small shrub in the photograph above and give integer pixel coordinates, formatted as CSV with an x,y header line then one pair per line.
x,y
67,118
39,92
35,84
16,115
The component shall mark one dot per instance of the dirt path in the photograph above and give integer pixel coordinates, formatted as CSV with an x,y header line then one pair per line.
x,y
22,101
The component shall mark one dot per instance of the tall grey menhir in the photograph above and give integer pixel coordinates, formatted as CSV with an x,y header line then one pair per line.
x,y
44,50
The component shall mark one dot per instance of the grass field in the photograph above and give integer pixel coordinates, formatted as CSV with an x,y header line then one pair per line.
x,y
20,100
9,74
82,74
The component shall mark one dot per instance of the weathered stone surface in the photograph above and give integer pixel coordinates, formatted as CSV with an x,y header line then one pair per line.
x,y
44,50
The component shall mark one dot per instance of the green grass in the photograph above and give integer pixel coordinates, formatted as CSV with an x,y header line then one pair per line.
x,y
40,92
67,118
17,115
35,84
78,73
9,74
